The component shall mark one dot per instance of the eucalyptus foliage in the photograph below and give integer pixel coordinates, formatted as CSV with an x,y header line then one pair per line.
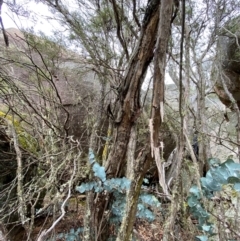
x,y
118,187
219,174
119,184
73,235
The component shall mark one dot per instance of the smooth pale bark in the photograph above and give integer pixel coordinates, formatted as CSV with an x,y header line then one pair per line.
x,y
203,143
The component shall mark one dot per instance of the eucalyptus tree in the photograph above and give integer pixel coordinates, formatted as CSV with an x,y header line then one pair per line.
x,y
120,41
203,23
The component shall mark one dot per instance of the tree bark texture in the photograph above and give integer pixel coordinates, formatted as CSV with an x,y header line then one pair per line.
x,y
129,91
142,164
129,110
157,110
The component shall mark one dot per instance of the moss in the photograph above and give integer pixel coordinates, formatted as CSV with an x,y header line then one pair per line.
x,y
106,146
26,141
233,25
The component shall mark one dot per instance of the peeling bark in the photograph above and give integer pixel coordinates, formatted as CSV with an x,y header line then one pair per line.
x,y
129,92
128,112
158,88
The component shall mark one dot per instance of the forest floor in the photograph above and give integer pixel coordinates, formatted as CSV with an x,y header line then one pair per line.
x,y
73,220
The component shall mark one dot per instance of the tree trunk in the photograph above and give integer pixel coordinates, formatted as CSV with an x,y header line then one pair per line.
x,y
158,88
90,232
202,124
129,91
142,164
129,107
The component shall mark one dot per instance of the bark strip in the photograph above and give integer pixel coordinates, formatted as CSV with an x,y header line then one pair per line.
x,y
157,110
129,91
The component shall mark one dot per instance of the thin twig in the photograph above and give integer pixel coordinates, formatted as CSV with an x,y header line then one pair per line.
x,y
45,233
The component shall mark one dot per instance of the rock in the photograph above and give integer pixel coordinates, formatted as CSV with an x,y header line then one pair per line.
x,y
228,56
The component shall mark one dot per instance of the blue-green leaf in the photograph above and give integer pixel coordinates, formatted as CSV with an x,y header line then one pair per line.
x,y
99,171
125,183
210,184
98,188
143,212
233,180
108,185
145,180
216,177
220,174
237,187
206,227
150,199
85,187
192,201
91,156
234,168
70,237
213,162
81,188
201,238
195,190
140,206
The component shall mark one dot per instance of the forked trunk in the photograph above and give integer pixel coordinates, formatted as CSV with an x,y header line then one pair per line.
x,y
129,108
